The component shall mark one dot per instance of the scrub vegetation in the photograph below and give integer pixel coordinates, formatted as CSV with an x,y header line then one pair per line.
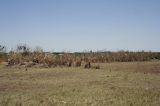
x,y
27,57
37,78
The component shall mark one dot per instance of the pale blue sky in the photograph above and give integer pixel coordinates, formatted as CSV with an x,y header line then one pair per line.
x,y
77,25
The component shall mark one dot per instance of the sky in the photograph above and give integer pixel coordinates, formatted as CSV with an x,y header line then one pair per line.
x,y
81,25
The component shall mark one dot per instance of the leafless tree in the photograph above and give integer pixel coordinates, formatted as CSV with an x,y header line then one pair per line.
x,y
2,48
23,48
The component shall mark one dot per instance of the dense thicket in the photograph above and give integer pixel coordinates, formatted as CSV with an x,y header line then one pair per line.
x,y
23,55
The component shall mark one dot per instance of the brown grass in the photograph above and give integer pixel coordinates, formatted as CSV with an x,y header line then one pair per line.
x,y
114,84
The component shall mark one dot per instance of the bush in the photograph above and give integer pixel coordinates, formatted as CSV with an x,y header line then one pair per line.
x,y
23,54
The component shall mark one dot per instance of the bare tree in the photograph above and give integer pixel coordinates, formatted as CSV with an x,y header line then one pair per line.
x,y
23,48
2,48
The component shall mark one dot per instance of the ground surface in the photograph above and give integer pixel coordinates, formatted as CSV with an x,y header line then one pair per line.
x,y
115,84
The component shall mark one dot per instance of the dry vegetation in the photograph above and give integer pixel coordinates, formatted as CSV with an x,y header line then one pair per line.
x,y
27,57
36,78
114,84
43,59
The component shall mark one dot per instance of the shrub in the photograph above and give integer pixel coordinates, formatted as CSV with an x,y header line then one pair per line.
x,y
87,65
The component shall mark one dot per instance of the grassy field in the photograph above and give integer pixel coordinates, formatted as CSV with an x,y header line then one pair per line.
x,y
115,84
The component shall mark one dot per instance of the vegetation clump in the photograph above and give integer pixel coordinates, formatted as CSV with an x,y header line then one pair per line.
x,y
23,55
87,65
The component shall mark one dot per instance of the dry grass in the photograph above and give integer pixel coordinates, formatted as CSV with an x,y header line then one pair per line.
x,y
3,57
114,84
